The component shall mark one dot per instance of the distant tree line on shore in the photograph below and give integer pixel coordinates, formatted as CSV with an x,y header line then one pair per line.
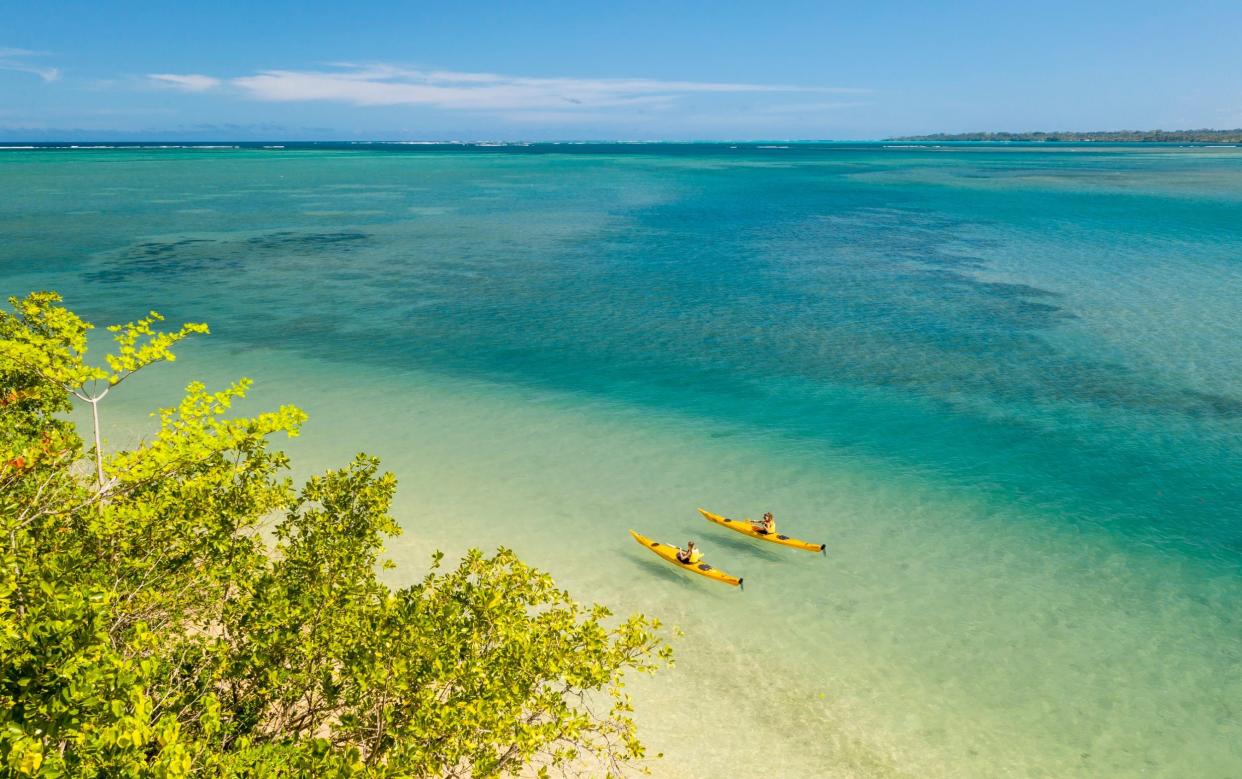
x,y
1118,136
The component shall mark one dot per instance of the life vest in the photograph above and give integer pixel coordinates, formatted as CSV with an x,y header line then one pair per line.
x,y
695,556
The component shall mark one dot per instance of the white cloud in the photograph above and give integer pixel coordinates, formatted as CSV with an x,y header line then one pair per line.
x,y
191,82
14,59
387,85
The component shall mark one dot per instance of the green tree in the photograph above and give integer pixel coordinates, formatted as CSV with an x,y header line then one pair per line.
x,y
184,610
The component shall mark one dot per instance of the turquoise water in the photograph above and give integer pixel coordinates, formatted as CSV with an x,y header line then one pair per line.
x,y
1004,384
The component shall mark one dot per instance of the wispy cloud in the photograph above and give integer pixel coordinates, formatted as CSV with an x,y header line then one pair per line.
x,y
388,85
190,82
15,59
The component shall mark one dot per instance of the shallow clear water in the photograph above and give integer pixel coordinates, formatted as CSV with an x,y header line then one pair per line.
x,y
1003,384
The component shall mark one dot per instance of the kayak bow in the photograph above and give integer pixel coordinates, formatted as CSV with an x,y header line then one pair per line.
x,y
669,553
747,529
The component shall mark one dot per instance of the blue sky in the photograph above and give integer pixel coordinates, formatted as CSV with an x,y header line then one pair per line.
x,y
619,70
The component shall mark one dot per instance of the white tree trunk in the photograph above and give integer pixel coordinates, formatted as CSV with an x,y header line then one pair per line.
x,y
99,479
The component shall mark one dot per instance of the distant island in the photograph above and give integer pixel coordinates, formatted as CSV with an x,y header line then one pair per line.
x,y
1117,136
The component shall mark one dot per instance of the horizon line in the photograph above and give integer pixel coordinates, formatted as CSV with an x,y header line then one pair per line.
x,y
938,136
13,143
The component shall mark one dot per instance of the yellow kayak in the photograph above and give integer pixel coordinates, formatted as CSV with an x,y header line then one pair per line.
x,y
746,528
669,552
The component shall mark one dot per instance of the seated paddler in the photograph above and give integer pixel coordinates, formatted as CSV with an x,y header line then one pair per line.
x,y
690,554
767,525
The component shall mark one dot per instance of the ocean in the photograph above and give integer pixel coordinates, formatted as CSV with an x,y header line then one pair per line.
x,y
1002,383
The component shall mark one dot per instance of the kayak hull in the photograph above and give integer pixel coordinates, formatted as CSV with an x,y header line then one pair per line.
x,y
747,529
669,553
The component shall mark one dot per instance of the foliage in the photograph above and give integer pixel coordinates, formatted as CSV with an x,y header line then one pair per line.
x,y
188,612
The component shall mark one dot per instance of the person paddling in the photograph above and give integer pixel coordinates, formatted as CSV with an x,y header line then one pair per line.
x,y
767,526
690,554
